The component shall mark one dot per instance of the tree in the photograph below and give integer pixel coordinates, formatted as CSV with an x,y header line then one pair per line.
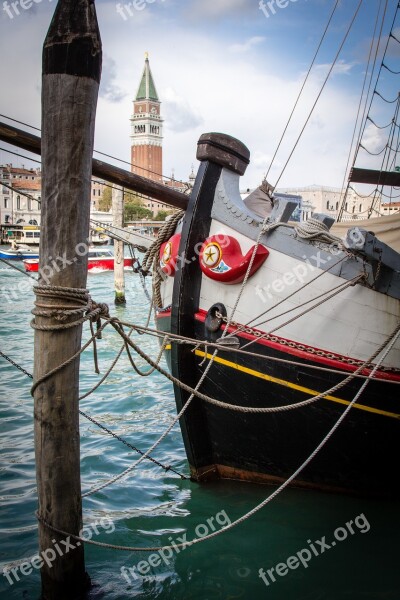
x,y
132,198
105,200
133,212
162,215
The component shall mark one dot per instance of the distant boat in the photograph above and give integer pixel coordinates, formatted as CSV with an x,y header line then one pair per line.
x,y
101,260
21,253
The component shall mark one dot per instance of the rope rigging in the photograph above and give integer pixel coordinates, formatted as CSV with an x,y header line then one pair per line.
x,y
386,347
366,112
87,309
100,425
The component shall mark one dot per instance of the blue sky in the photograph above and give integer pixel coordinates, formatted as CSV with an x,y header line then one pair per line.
x,y
219,65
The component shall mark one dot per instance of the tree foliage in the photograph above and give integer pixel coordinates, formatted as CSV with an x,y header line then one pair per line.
x,y
162,215
133,212
105,200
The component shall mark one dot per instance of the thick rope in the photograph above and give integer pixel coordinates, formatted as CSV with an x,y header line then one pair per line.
x,y
151,258
317,231
177,339
83,309
389,343
193,392
246,409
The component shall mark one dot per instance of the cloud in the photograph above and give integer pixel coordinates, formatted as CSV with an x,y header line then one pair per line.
x,y
108,89
320,71
247,45
374,139
179,115
206,9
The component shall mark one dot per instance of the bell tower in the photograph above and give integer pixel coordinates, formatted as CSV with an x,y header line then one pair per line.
x,y
146,128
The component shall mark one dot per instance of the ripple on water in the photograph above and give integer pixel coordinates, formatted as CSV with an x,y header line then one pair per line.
x,y
151,507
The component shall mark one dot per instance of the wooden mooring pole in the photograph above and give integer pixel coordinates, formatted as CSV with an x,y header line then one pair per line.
x,y
71,76
118,221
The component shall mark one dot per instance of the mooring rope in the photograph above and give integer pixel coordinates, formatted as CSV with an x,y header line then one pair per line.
x,y
151,258
389,343
98,424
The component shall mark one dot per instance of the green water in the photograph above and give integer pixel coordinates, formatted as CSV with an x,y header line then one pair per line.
x,y
151,507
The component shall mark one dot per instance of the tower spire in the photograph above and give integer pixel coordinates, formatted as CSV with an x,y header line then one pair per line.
x,y
147,89
146,132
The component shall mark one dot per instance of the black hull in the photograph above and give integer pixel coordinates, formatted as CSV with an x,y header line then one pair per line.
x,y
359,458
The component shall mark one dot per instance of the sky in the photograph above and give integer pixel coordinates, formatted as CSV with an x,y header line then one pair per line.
x,y
218,65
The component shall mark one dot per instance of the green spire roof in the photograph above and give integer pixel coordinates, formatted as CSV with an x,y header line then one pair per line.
x,y
147,89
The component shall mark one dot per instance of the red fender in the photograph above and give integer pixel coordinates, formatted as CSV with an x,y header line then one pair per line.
x,y
221,259
169,255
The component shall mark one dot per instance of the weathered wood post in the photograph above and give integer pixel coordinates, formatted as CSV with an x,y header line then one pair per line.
x,y
118,221
71,76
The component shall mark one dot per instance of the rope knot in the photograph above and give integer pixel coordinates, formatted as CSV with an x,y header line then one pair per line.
x,y
97,310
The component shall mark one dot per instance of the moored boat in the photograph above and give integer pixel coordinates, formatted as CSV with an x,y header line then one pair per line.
x,y
21,253
294,313
98,260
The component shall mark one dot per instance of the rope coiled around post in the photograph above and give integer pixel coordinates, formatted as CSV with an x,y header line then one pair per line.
x,y
81,308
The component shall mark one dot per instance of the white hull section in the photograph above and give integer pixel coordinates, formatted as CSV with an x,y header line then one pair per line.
x,y
353,323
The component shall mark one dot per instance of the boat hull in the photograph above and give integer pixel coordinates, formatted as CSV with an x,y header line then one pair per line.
x,y
268,448
334,318
93,264
17,255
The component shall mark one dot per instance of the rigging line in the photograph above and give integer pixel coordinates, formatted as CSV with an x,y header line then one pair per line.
x,y
394,37
363,118
344,195
298,307
97,151
18,191
136,165
20,122
296,291
322,89
386,147
21,156
389,196
390,70
389,343
372,97
362,129
384,126
349,283
362,195
179,339
92,180
303,86
101,426
385,99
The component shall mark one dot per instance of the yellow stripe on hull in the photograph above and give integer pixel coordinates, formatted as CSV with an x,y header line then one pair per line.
x,y
291,385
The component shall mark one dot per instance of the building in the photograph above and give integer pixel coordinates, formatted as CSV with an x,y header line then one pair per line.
x,y
20,193
146,129
328,200
96,192
389,208
147,138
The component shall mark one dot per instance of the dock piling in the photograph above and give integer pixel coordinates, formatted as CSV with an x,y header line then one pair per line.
x,y
71,76
118,221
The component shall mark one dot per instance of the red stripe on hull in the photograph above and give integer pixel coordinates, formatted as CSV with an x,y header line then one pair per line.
x,y
335,363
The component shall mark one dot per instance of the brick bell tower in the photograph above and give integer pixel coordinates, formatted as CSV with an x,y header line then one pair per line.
x,y
146,132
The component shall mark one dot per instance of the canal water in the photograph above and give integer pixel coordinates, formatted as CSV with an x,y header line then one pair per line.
x,y
310,546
